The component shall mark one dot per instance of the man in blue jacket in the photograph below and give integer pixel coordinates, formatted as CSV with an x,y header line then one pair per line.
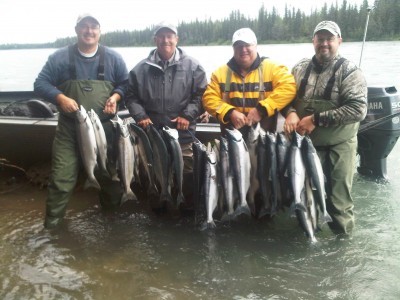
x,y
95,77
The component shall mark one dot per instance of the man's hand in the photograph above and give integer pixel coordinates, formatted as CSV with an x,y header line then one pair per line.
x,y
253,117
181,123
67,104
238,119
305,126
290,125
144,123
205,117
111,104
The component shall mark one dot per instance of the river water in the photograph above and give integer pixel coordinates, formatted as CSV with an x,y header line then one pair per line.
x,y
134,254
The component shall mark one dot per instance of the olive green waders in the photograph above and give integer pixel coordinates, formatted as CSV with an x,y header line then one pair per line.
x,y
338,162
66,160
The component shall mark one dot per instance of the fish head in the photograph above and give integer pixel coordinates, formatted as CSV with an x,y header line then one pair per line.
x,y
297,139
171,132
254,133
234,134
308,145
81,114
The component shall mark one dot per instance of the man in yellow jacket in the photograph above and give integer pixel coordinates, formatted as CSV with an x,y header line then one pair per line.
x,y
249,88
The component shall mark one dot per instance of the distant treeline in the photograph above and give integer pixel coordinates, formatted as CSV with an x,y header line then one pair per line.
x,y
270,27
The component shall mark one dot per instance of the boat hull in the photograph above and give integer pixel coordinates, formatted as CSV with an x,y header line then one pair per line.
x,y
25,141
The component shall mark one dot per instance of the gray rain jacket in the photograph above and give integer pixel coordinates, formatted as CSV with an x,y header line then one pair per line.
x,y
163,95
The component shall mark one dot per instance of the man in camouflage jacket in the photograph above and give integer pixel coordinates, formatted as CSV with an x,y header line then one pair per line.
x,y
330,103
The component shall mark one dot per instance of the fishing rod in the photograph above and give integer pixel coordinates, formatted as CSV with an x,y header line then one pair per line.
x,y
375,123
369,8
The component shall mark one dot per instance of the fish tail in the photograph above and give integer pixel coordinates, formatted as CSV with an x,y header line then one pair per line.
x,y
180,199
165,197
325,218
313,239
152,190
91,182
208,225
226,217
128,195
243,209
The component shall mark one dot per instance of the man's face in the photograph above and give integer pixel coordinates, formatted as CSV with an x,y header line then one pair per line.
x,y
244,54
88,32
166,41
326,45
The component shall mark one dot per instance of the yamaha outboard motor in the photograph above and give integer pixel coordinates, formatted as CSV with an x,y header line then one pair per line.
x,y
375,144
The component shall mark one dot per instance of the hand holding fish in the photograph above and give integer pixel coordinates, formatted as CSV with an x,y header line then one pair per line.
x,y
67,104
111,104
305,126
291,122
181,123
253,117
238,119
144,123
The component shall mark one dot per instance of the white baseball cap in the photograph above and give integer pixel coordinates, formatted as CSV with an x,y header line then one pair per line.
x,y
245,35
86,16
165,24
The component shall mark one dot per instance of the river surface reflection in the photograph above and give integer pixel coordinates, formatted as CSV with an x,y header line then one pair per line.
x,y
135,254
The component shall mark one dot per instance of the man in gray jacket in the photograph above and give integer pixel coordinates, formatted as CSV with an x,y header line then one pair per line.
x,y
166,88
330,103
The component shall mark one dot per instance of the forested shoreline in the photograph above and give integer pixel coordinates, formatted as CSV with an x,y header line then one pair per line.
x,y
294,26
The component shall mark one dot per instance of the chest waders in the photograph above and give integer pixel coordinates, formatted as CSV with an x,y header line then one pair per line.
x,y
66,162
323,136
337,148
268,124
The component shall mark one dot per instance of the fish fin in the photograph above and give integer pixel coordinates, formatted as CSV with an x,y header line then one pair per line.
x,y
296,206
300,206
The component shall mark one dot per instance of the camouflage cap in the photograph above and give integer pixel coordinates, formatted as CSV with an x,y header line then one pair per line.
x,y
330,26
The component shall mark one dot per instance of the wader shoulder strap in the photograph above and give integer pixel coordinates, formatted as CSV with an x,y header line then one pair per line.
x,y
72,69
331,82
261,79
71,58
100,71
225,97
303,83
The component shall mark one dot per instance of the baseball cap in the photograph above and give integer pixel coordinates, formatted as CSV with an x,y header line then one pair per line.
x,y
165,24
86,16
245,35
330,26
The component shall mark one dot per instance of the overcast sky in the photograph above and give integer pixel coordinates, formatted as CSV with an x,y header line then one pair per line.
x,y
40,21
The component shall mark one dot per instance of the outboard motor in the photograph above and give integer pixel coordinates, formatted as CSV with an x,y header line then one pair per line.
x,y
375,144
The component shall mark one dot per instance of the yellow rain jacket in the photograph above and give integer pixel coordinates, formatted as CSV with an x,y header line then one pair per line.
x,y
278,89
